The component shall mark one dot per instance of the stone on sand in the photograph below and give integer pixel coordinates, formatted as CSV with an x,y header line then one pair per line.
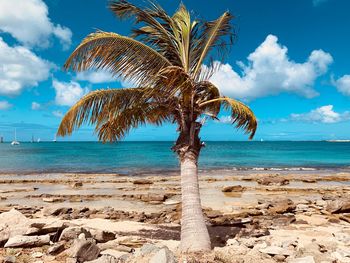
x,y
104,259
164,255
142,181
233,188
27,241
83,250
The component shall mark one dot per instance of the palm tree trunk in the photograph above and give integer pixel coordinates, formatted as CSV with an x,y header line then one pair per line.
x,y
194,232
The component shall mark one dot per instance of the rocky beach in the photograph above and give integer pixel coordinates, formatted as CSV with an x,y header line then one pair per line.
x,y
266,216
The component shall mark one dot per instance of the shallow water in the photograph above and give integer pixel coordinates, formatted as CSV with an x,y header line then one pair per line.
x,y
138,157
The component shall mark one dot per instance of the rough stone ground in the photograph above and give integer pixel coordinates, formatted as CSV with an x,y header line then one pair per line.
x,y
280,216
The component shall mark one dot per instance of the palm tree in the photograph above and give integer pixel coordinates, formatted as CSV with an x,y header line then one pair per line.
x,y
170,59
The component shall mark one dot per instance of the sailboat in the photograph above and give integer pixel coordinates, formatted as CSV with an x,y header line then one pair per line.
x,y
15,142
54,138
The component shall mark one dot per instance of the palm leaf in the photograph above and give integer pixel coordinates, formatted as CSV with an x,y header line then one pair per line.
x,y
124,57
157,29
98,106
206,91
242,116
212,33
118,127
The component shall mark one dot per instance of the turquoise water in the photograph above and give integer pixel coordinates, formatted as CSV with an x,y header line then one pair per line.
x,y
133,157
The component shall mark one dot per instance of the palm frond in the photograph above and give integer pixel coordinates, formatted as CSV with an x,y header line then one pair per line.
x,y
115,111
211,35
182,29
207,91
124,57
242,116
119,126
98,106
157,29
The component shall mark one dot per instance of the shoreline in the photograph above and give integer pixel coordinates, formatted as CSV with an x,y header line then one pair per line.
x,y
151,171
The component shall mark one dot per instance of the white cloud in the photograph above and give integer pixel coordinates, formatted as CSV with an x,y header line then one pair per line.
x,y
28,22
270,71
95,76
20,68
36,106
324,114
343,85
68,93
57,113
4,105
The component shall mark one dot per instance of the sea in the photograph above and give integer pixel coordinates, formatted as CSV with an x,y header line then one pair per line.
x,y
138,157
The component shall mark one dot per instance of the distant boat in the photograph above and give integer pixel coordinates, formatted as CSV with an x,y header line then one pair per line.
x,y
38,140
15,142
261,140
32,139
54,138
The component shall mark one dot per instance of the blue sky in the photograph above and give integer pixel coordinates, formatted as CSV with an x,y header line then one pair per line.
x,y
290,63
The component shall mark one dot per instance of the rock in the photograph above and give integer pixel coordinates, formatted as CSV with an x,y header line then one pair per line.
x,y
308,259
274,250
273,180
339,257
283,206
10,259
338,206
37,255
302,207
171,202
11,231
248,242
113,252
232,242
43,229
56,249
233,188
309,180
279,258
57,211
147,249
77,184
142,181
12,223
101,236
131,241
83,250
52,199
114,244
164,255
12,217
28,241
150,197
72,233
104,259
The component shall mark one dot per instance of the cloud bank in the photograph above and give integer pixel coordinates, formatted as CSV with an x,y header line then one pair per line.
x,y
29,23
68,93
95,76
20,68
324,114
270,71
343,85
